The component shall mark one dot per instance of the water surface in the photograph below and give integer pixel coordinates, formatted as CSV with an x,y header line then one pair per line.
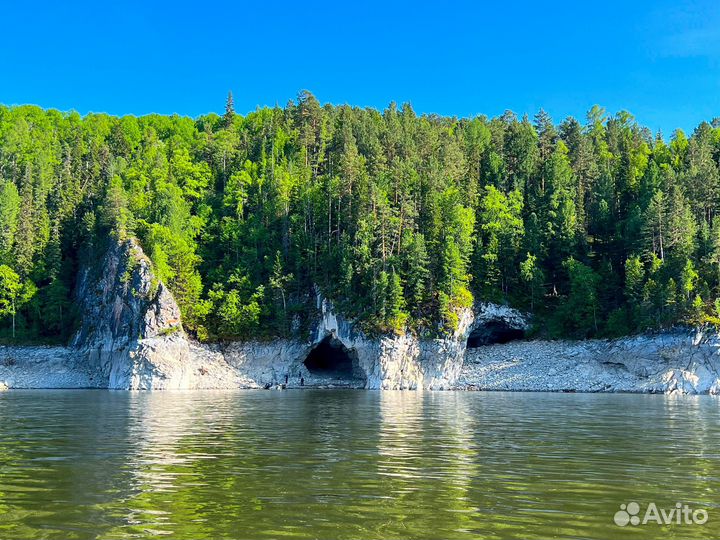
x,y
351,464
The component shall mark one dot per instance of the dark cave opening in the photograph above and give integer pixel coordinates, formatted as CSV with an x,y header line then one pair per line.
x,y
330,358
492,333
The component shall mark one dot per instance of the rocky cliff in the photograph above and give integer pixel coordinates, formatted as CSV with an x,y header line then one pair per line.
x,y
132,338
131,332
387,362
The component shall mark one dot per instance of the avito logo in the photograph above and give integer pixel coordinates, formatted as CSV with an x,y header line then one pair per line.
x,y
680,514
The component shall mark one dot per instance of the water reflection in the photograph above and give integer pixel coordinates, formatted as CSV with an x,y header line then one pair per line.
x,y
349,464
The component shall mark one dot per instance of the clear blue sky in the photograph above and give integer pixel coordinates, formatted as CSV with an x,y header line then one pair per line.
x,y
658,59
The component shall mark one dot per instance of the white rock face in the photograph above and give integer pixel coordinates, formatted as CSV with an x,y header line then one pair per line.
x,y
400,362
389,362
131,333
132,338
676,362
487,313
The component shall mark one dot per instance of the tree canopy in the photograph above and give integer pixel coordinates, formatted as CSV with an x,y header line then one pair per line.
x,y
597,227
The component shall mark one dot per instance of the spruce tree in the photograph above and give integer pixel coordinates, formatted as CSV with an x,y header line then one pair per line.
x,y
229,115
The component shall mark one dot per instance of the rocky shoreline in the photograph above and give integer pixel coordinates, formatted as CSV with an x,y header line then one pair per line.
x,y
678,362
131,338
681,361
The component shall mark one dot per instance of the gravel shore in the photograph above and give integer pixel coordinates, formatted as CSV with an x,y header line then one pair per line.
x,y
679,362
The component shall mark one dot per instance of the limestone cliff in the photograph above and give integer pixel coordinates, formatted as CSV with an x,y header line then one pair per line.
x,y
386,362
132,338
131,331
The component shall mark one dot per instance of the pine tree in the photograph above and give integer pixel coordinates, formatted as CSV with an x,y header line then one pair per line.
x,y
25,241
532,275
395,315
580,310
418,272
229,115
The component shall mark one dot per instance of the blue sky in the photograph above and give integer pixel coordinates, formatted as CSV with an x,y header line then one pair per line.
x,y
660,60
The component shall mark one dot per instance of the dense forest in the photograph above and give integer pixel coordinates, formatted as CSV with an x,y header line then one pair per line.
x,y
599,228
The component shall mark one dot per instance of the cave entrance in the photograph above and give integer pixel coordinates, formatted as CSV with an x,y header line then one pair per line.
x,y
493,332
330,358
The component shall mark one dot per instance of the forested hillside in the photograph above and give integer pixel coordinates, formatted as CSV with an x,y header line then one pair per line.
x,y
599,227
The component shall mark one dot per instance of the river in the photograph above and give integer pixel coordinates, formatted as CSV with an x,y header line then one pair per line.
x,y
353,464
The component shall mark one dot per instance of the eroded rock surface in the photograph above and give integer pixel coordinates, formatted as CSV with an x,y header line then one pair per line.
x,y
131,332
45,367
388,362
674,362
132,338
496,324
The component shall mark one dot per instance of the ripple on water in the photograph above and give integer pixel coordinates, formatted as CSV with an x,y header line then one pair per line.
x,y
350,464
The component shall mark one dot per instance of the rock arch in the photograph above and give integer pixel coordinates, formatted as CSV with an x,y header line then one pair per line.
x,y
496,323
494,332
331,359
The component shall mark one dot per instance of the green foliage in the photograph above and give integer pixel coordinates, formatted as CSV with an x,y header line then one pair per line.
x,y
13,294
237,311
175,263
402,220
688,279
579,313
501,232
532,276
116,217
9,214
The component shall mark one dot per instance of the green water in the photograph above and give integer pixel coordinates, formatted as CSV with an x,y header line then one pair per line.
x,y
352,464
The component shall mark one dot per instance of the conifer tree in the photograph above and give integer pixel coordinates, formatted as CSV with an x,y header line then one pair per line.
x,y
229,115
